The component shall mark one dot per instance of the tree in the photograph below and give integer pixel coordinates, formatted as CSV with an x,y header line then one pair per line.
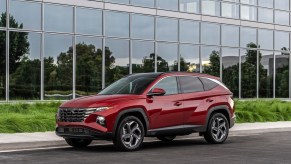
x,y
214,64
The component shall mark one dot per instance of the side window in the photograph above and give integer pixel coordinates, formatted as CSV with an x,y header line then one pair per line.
x,y
208,84
169,84
190,84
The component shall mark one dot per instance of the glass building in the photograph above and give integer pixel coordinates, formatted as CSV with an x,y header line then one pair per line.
x,y
62,49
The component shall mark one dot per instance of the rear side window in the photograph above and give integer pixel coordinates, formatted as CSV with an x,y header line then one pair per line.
x,y
169,84
190,84
208,84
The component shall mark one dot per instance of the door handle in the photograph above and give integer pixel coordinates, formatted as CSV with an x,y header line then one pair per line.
x,y
209,100
178,103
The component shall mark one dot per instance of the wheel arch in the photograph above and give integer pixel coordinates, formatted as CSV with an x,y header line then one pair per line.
x,y
223,109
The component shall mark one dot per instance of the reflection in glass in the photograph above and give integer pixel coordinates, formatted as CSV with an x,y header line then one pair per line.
x,y
88,66
147,3
167,29
266,74
191,6
265,15
58,18
143,57
249,72
25,65
248,13
247,35
189,31
210,7
116,24
2,65
167,57
230,35
282,4
88,21
142,27
230,10
210,57
116,59
118,1
230,69
189,58
250,2
281,40
265,39
282,74
2,11
29,14
58,67
168,4
281,17
266,3
210,33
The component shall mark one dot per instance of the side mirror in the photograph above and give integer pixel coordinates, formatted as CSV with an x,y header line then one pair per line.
x,y
157,92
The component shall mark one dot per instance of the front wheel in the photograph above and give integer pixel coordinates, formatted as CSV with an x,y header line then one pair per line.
x,y
130,134
217,129
166,138
78,143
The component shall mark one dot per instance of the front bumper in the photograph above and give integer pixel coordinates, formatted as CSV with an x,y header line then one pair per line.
x,y
82,133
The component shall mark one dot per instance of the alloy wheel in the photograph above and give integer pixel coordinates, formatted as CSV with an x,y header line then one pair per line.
x,y
218,129
131,134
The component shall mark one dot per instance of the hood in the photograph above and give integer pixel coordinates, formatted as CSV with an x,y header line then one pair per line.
x,y
98,100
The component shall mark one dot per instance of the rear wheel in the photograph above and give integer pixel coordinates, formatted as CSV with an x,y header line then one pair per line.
x,y
130,134
78,143
217,129
166,138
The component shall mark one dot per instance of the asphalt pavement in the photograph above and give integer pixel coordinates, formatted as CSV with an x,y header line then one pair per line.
x,y
262,147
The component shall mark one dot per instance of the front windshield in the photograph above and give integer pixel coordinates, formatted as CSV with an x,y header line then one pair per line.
x,y
129,85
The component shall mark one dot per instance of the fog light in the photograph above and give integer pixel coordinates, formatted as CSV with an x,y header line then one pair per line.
x,y
101,120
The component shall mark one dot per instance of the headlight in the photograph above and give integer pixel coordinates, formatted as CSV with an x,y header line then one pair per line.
x,y
101,120
99,109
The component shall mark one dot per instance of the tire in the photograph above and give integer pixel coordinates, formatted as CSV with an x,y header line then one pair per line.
x,y
130,134
78,143
217,129
166,138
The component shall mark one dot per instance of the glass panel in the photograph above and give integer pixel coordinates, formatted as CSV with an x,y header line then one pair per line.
x,y
143,57
167,29
190,84
2,13
147,3
249,72
25,65
167,57
266,3
230,10
230,35
26,14
169,85
265,15
282,17
266,72
210,7
88,21
282,4
282,74
88,66
118,1
168,4
247,35
116,24
189,31
2,65
189,60
55,16
281,40
265,39
250,2
248,13
58,67
230,69
116,59
191,6
210,34
143,27
210,57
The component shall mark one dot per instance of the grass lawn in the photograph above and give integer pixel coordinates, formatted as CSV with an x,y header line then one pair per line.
x,y
40,117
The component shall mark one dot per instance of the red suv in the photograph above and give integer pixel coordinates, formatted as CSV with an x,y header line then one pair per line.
x,y
162,105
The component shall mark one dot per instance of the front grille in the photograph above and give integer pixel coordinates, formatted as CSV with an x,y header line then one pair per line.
x,y
74,114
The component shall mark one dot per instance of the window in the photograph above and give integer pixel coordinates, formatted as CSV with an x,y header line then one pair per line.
x,y
189,31
190,84
210,34
266,3
210,58
167,57
230,35
211,7
116,24
191,6
167,29
265,15
282,4
143,27
266,68
168,84
282,17
230,10
282,74
208,84
265,39
167,4
248,13
281,40
248,36
189,58
249,2
118,1
147,3
88,21
2,10
143,58
2,65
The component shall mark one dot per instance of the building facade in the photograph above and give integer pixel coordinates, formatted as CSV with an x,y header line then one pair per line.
x,y
62,49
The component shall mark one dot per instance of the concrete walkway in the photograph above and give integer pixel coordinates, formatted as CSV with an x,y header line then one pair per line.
x,y
32,140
